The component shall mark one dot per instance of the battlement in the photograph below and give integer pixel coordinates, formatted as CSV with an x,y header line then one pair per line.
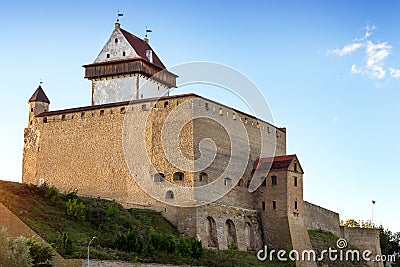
x,y
156,102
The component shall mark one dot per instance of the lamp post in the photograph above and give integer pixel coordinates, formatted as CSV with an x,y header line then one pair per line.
x,y
88,251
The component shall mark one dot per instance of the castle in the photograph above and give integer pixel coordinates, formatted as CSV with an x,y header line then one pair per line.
x,y
86,148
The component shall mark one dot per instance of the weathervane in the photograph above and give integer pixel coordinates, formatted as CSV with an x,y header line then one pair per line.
x,y
119,15
147,31
40,81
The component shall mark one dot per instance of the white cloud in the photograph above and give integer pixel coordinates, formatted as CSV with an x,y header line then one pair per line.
x,y
375,56
348,49
394,72
368,31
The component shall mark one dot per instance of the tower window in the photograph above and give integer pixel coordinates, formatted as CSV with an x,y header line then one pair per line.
x,y
82,115
295,181
203,177
227,181
166,104
123,53
45,120
273,180
116,40
63,117
122,110
263,205
178,176
31,109
220,111
207,108
169,195
274,204
295,205
234,116
295,167
101,112
144,107
159,177
108,55
246,120
264,181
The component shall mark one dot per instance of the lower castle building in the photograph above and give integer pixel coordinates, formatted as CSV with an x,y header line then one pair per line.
x,y
115,149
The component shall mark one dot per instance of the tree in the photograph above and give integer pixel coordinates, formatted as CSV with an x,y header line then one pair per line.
x,y
350,223
14,253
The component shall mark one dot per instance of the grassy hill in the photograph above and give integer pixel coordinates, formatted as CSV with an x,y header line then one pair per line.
x,y
68,222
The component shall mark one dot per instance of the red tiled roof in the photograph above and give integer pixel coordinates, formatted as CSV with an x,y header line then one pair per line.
x,y
274,163
39,95
141,47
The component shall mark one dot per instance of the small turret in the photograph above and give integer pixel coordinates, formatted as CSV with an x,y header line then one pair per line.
x,y
38,103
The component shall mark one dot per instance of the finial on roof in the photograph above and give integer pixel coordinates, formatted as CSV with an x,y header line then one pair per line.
x,y
117,25
145,36
119,15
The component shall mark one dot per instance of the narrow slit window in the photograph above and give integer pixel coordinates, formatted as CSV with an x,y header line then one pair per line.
x,y
274,205
263,205
295,181
295,204
273,180
102,112
82,115
63,117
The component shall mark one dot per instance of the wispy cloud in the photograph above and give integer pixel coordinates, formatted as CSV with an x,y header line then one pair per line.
x,y
335,120
348,49
394,72
375,56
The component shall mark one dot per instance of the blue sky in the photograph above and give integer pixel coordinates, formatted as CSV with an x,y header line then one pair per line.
x,y
329,70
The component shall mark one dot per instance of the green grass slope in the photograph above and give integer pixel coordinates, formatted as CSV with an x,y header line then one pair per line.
x,y
68,222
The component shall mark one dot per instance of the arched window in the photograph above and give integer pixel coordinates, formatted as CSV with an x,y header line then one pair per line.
x,y
273,180
203,177
159,177
230,234
179,176
116,40
212,237
227,181
169,195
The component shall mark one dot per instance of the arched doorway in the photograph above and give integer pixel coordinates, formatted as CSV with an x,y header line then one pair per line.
x,y
211,229
230,233
249,236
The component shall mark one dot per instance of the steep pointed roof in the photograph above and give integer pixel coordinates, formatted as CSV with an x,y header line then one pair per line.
x,y
39,96
140,46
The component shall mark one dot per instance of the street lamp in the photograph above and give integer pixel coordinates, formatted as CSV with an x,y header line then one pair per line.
x,y
88,251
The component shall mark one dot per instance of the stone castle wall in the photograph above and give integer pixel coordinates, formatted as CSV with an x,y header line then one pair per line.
x,y
82,149
317,217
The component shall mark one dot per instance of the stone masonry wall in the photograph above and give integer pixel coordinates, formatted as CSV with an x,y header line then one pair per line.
x,y
317,217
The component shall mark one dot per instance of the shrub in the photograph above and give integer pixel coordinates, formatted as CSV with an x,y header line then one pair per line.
x,y
14,253
76,210
40,253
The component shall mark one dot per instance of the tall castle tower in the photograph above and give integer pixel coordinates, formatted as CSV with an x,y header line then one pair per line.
x,y
127,68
